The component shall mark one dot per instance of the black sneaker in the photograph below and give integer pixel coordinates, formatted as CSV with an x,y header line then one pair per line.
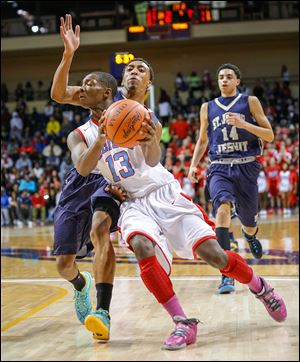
x,y
254,245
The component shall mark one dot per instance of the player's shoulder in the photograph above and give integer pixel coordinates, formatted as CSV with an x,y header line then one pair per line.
x,y
88,124
73,139
79,134
204,108
74,136
252,99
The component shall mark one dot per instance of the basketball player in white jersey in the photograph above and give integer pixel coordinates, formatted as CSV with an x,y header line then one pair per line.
x,y
158,219
77,222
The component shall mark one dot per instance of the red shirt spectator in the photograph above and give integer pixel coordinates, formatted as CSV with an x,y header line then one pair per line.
x,y
272,174
44,188
180,127
29,149
187,147
38,200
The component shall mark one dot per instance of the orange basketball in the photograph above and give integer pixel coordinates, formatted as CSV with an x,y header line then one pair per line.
x,y
123,121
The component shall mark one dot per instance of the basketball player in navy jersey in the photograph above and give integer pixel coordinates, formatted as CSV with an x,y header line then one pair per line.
x,y
77,221
232,126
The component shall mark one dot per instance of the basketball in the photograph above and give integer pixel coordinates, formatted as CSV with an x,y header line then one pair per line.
x,y
123,122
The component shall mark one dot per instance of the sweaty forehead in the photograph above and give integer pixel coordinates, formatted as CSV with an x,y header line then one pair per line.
x,y
90,76
138,63
225,71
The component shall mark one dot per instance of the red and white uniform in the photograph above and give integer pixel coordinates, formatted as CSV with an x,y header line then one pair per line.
x,y
156,207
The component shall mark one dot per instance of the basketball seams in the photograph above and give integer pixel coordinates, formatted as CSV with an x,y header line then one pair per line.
x,y
113,138
121,143
118,131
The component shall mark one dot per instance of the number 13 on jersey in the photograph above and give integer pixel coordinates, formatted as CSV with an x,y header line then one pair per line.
x,y
123,158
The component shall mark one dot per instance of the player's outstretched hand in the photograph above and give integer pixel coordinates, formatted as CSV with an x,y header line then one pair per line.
x,y
193,175
147,132
70,38
117,191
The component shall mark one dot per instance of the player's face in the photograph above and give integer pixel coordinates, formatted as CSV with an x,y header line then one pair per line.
x,y
92,93
137,76
227,81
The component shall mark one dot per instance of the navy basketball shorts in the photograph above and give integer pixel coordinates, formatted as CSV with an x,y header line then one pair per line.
x,y
72,226
71,230
236,183
104,201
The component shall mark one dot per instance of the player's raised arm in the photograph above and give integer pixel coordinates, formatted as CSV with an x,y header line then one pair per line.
x,y
61,92
201,144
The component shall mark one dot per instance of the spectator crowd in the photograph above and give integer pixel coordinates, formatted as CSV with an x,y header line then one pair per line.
x,y
35,159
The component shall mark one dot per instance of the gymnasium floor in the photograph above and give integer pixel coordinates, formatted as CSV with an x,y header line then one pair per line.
x,y
38,322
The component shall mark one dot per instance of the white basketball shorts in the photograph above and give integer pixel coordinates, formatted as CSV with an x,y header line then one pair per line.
x,y
169,219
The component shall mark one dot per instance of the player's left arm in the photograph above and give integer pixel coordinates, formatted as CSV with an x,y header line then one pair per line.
x,y
263,129
151,134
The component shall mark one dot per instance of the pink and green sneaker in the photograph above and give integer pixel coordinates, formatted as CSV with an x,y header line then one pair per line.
x,y
185,333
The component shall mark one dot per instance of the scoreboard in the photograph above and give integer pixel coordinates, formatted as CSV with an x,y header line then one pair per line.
x,y
158,20
179,13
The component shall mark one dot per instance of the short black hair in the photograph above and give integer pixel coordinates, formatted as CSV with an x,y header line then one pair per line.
x,y
233,67
144,61
108,81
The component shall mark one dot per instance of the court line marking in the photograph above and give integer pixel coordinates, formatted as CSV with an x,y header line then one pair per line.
x,y
48,280
62,293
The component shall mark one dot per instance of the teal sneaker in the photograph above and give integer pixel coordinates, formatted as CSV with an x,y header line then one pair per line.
x,y
83,304
98,323
226,286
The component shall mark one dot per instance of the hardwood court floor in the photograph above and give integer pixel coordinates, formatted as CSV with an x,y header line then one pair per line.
x,y
38,321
